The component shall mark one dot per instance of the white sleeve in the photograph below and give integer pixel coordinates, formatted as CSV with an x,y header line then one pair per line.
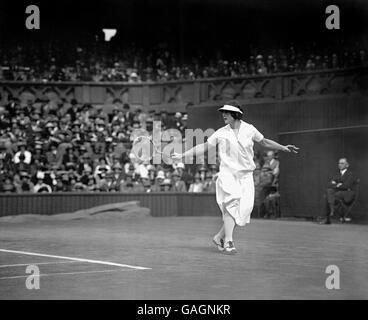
x,y
213,139
257,136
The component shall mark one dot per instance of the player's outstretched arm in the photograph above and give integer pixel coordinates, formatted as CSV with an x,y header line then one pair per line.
x,y
198,151
270,144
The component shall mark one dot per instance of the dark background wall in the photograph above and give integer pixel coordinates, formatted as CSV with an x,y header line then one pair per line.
x,y
304,177
275,117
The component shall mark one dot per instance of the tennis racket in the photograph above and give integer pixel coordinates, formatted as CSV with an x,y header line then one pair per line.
x,y
144,148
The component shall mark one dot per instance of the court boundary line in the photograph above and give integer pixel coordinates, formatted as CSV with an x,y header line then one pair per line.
x,y
108,263
62,273
34,263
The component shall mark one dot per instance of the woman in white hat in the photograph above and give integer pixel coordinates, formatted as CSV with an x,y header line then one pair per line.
x,y
234,185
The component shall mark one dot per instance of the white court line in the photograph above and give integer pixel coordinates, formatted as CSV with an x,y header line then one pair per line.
x,y
34,263
76,259
61,273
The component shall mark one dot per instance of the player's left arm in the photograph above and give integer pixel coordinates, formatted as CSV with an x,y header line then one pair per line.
x,y
270,144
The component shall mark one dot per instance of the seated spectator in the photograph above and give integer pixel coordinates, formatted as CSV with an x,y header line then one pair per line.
x,y
185,176
127,186
101,168
158,181
268,183
271,203
146,184
25,184
273,165
209,184
41,186
23,155
178,183
197,185
117,176
8,186
91,184
107,183
166,185
341,187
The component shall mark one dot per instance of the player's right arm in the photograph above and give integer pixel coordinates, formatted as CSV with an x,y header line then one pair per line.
x,y
197,150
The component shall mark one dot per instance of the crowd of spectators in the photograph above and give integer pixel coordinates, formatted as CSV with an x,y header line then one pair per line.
x,y
100,62
45,147
71,147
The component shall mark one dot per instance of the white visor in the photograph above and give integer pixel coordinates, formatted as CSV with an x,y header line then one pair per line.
x,y
227,107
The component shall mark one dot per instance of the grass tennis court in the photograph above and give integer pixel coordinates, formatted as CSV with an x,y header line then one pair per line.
x,y
173,258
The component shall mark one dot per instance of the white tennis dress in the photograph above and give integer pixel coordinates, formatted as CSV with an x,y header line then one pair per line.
x,y
234,185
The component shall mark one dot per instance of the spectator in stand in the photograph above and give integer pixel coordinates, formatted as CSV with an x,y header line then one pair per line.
x,y
209,184
158,181
197,185
178,184
8,186
184,176
23,155
41,186
25,184
166,185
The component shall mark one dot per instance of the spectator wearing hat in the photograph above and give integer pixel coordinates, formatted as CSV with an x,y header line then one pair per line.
x,y
25,183
156,187
69,158
91,184
101,114
128,114
74,110
40,186
178,184
83,165
127,186
39,154
6,157
23,153
138,185
101,168
54,156
60,186
214,171
151,172
21,165
166,185
146,184
202,172
185,176
85,174
117,176
209,184
197,185
8,186
106,184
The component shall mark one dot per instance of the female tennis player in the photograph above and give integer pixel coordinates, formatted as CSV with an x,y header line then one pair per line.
x,y
234,185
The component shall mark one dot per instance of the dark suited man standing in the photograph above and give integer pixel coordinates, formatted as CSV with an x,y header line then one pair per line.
x,y
340,187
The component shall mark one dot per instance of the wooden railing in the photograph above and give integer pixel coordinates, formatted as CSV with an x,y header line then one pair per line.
x,y
160,204
179,94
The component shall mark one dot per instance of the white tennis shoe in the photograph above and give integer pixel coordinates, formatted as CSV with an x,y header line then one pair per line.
x,y
218,243
229,248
